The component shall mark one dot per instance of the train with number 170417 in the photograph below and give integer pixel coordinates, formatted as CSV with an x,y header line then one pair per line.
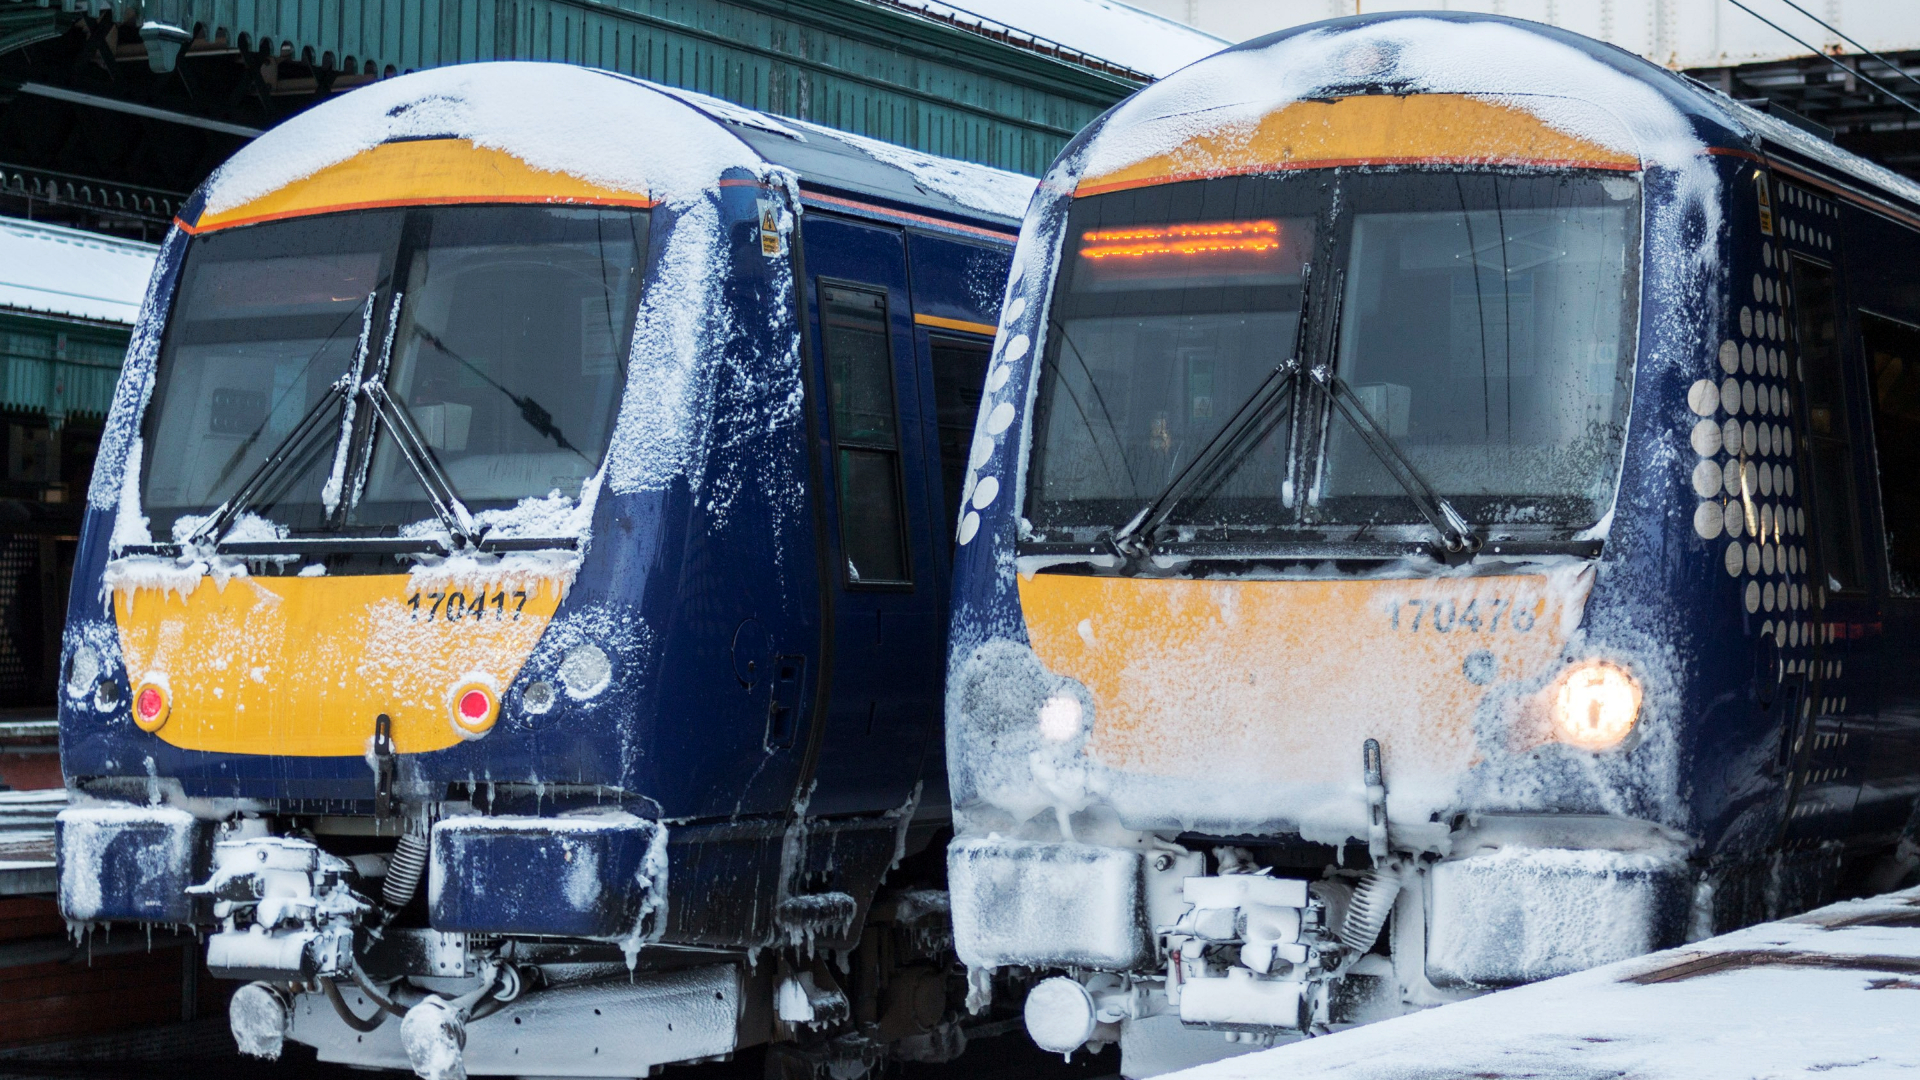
x,y
1442,516
509,616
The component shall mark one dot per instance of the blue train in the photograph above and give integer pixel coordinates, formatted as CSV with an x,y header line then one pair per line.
x,y
510,611
1440,518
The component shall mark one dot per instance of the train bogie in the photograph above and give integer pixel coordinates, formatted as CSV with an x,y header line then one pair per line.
x,y
1430,541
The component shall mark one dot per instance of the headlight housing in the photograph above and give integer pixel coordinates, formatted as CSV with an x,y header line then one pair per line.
x,y
1595,705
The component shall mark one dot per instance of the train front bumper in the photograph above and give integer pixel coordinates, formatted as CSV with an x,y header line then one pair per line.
x,y
131,864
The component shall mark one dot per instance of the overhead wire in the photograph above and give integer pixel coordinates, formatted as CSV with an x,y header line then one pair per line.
x,y
1837,32
1834,60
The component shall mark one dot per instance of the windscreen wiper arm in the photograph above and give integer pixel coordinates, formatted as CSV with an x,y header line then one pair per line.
x,y
1135,538
291,447
1457,538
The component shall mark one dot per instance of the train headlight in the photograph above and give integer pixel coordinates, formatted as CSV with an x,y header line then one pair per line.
x,y
83,670
1595,705
586,671
152,702
1061,718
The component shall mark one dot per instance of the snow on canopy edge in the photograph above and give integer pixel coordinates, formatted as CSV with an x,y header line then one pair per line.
x,y
1503,62
527,109
1805,143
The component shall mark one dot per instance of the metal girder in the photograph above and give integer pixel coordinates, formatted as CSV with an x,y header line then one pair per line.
x,y
1860,118
868,68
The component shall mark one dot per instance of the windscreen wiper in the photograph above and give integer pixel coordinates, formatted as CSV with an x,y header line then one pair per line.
x,y
1135,539
1458,541
292,447
535,414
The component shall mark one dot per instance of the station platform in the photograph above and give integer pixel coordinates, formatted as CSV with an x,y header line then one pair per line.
x,y
1831,993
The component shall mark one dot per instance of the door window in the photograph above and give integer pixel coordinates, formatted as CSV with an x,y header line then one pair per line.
x,y
959,371
1893,373
1828,433
865,433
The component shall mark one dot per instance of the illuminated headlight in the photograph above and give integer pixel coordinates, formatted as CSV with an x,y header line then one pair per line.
x,y
82,671
1595,705
586,671
1060,718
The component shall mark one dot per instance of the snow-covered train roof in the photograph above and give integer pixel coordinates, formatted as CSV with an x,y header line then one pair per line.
x,y
1528,93
66,273
556,132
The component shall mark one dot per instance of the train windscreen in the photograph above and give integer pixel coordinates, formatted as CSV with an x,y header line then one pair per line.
x,y
499,332
1480,323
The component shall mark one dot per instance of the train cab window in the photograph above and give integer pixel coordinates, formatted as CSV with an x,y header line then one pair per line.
x,y
1828,432
959,372
1893,372
866,436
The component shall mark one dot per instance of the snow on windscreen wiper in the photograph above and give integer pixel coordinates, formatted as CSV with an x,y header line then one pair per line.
x,y
1457,538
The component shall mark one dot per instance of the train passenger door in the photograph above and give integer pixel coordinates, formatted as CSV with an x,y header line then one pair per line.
x,y
1889,763
885,663
1818,745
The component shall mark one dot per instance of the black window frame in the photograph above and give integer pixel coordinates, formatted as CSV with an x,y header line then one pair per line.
x,y
839,445
1848,502
1862,316
952,514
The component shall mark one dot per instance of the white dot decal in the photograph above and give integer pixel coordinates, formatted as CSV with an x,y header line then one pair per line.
x,y
1746,321
1734,519
1766,254
984,494
1707,520
1766,481
1766,439
1759,288
1766,559
982,450
1703,397
1734,560
1729,356
1753,596
1766,596
1772,294
1779,479
1788,477
1753,558
1773,329
968,526
1766,519
1705,438
1732,478
1750,438
1730,436
1706,479
1016,348
1746,359
997,378
1729,395
1019,269
1014,311
1747,397
1002,417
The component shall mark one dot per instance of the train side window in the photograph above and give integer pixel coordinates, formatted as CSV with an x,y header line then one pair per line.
x,y
1893,373
1828,433
865,433
959,371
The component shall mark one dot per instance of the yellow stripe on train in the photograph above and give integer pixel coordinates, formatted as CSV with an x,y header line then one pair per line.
x,y
419,172
1282,680
1375,129
302,666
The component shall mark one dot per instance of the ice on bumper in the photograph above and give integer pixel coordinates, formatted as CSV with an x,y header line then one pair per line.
x,y
1018,902
129,863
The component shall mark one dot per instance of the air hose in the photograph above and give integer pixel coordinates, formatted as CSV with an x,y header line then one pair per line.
x,y
1368,910
404,870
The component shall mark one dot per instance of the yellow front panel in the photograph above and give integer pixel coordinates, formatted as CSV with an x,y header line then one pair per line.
x,y
301,666
420,172
1282,680
1375,129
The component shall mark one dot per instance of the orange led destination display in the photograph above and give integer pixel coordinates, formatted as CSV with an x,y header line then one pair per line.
x,y
1255,251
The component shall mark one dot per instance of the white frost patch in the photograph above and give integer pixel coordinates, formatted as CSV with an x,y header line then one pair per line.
x,y
1567,89
554,117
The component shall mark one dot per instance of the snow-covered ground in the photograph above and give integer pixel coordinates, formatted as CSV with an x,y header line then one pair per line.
x,y
1833,993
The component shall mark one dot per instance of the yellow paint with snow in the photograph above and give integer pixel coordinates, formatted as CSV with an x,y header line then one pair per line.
x,y
1281,681
301,666
419,172
1372,129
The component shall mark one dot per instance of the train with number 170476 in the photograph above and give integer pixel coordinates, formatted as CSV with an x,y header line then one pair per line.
x,y
1442,516
509,616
